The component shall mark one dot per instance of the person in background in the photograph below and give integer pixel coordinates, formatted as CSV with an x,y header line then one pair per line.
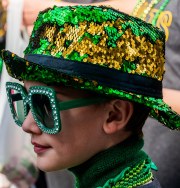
x,y
31,11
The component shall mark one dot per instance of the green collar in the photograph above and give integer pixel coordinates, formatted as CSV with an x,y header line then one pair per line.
x,y
109,163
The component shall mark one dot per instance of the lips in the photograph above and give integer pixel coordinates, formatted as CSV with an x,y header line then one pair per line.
x,y
40,148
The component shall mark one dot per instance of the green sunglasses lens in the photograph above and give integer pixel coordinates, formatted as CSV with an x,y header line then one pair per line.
x,y
17,105
43,110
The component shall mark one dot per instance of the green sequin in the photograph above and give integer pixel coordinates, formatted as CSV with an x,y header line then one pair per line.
x,y
107,38
131,177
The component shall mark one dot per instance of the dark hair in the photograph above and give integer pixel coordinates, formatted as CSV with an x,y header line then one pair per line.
x,y
138,118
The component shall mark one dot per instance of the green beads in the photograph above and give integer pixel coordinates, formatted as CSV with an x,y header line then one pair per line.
x,y
133,176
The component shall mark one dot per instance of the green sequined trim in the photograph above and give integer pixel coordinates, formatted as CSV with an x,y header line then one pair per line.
x,y
132,176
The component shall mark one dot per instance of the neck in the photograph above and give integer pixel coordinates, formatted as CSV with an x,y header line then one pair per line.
x,y
110,163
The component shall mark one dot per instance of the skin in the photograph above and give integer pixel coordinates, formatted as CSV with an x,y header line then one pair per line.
x,y
85,131
172,97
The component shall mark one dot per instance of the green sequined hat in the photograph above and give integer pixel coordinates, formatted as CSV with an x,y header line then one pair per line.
x,y
98,49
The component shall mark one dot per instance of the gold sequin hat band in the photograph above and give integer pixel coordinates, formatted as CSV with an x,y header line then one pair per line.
x,y
98,49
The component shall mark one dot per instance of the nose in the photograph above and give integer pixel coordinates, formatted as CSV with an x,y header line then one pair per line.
x,y
30,126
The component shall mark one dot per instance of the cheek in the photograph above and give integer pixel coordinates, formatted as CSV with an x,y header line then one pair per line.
x,y
81,119
81,130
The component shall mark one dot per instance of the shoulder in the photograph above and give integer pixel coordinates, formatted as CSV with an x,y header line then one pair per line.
x,y
153,184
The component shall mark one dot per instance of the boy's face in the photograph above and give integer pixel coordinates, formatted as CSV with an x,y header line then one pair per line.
x,y
80,138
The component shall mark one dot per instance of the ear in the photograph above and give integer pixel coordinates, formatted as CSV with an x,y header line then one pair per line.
x,y
119,114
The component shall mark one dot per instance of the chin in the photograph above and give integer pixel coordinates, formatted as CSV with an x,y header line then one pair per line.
x,y
46,164
49,165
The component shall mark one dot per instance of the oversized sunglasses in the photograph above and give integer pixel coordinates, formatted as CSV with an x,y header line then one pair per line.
x,y
44,105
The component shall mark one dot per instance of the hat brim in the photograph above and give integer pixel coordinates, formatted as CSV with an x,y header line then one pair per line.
x,y
21,69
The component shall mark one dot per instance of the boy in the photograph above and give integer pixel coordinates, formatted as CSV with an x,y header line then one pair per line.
x,y
91,77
